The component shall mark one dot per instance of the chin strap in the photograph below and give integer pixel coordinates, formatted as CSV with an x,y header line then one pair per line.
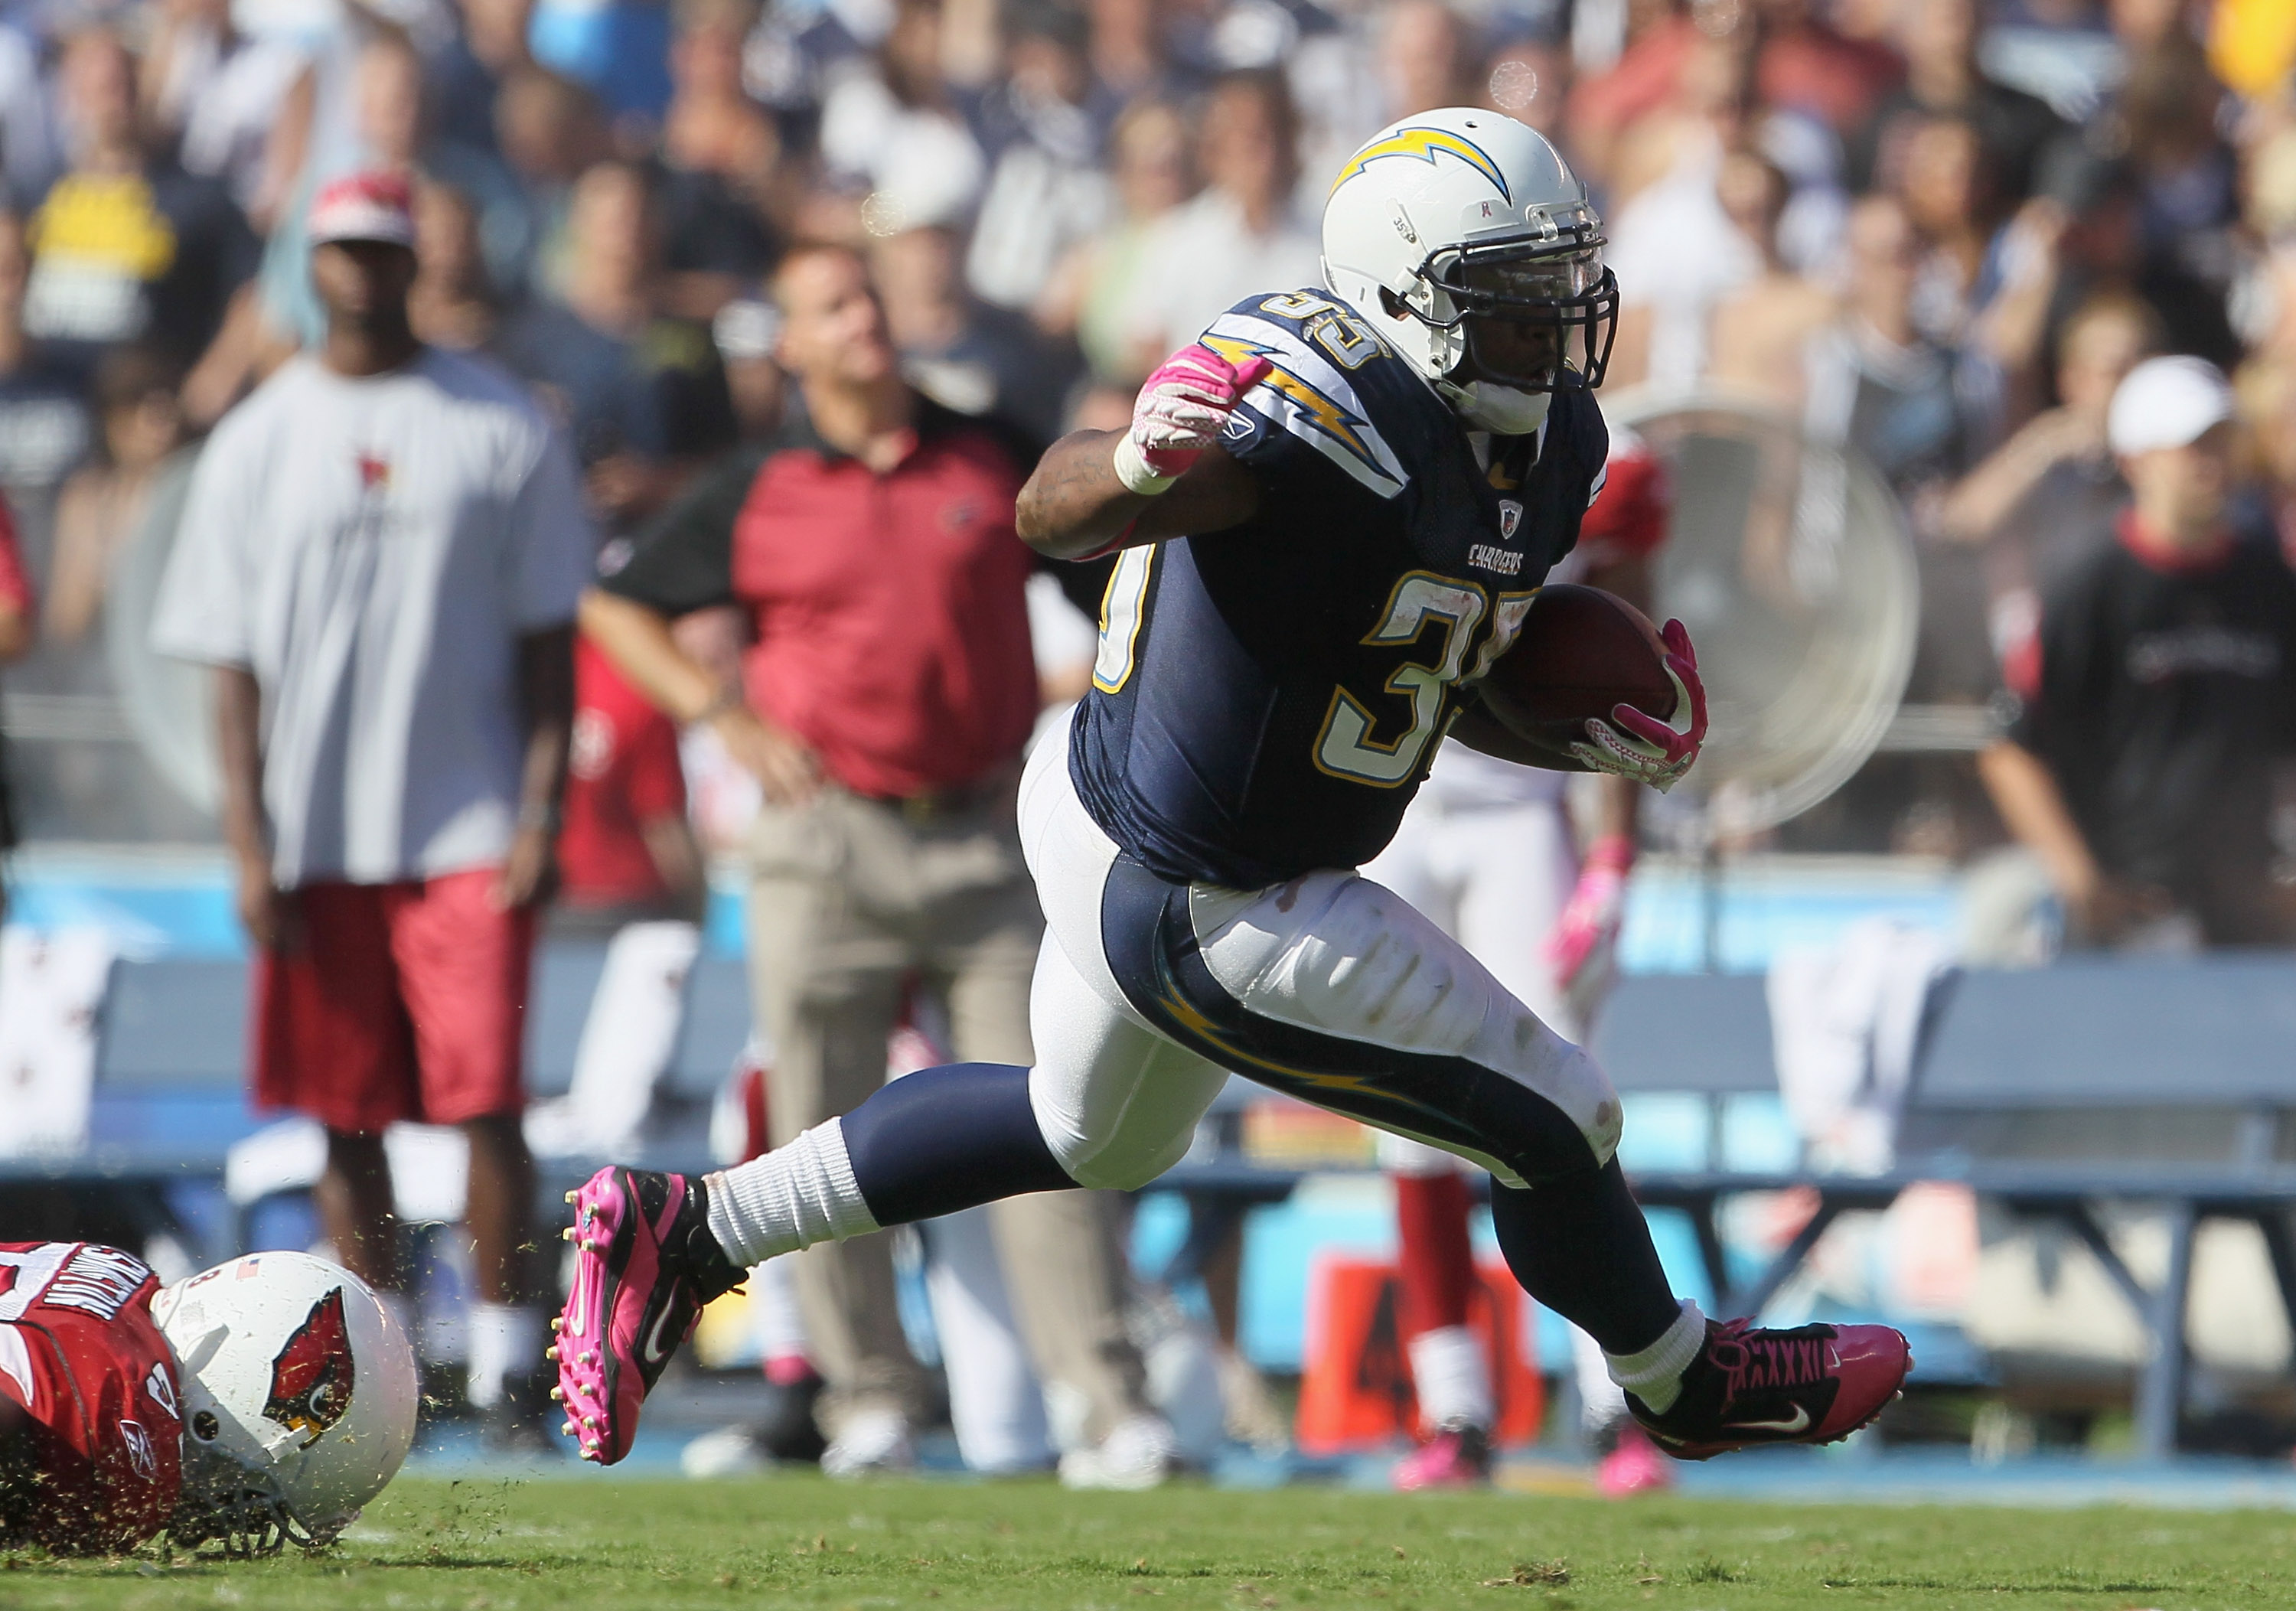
x,y
1502,409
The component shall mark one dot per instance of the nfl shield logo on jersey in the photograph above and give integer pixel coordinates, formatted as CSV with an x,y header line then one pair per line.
x,y
1509,518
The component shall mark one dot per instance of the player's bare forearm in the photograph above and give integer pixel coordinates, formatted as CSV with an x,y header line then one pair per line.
x,y
2026,795
1074,506
639,642
545,705
239,755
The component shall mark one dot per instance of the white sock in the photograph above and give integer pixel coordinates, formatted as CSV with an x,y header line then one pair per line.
x,y
503,1338
1451,1377
793,1196
1654,1374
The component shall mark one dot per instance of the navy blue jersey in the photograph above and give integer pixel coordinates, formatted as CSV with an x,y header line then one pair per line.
x,y
1267,698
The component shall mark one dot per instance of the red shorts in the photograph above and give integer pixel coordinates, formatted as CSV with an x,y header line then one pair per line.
x,y
404,1001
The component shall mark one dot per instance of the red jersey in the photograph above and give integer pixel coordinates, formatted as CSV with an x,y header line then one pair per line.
x,y
622,773
80,1350
1629,517
891,611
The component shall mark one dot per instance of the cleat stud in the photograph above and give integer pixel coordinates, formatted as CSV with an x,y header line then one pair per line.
x,y
590,1422
566,1234
589,1357
551,1352
573,1196
558,1395
558,1322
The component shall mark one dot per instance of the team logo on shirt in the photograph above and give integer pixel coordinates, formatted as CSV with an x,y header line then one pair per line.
x,y
311,1377
161,1391
1510,519
375,473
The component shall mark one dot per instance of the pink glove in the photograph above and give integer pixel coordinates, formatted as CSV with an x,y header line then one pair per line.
x,y
1597,905
1182,409
1650,751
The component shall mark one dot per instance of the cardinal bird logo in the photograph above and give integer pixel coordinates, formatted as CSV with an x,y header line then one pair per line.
x,y
311,1377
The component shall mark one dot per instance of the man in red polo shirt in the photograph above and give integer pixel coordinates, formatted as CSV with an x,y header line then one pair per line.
x,y
882,706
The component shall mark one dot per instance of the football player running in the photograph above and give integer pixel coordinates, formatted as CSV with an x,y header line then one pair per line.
x,y
1332,513
256,1404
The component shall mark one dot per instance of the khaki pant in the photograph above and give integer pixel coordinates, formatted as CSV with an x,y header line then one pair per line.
x,y
851,899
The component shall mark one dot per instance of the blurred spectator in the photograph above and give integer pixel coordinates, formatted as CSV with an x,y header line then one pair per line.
x,y
722,162
963,354
1044,129
2092,241
638,388
893,134
1094,293
2167,113
2140,771
626,853
463,79
1948,196
1801,65
392,736
1241,235
126,245
1424,59
454,304
16,634
882,707
1760,328
1944,79
2043,501
1675,251
43,418
1127,47
214,95
551,132
1873,380
101,509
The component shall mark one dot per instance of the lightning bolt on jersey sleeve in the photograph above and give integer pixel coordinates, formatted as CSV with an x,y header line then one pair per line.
x,y
80,1351
1267,699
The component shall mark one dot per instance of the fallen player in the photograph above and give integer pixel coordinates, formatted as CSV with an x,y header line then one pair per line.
x,y
259,1403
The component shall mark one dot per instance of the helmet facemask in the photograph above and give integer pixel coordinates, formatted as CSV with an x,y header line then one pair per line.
x,y
1515,321
239,1507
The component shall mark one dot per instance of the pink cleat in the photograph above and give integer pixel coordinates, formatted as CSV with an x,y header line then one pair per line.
x,y
1812,1385
645,1263
1458,1456
1634,1466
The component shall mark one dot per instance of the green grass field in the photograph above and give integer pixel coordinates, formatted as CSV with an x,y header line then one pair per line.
x,y
810,1542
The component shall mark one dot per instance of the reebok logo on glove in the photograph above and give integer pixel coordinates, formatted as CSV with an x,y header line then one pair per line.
x,y
1182,409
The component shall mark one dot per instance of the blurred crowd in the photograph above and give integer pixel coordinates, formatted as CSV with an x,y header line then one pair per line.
x,y
1938,230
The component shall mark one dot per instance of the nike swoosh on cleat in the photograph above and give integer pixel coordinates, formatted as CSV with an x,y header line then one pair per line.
x,y
1799,1423
656,1351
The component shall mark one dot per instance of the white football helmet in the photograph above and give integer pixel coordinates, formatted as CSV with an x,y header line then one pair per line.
x,y
1465,241
299,1400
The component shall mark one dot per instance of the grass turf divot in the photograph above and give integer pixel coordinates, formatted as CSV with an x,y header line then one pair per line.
x,y
803,1542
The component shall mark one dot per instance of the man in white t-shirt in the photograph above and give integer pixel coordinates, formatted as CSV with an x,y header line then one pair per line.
x,y
381,556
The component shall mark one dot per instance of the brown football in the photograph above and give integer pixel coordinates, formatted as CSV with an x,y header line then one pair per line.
x,y
1580,651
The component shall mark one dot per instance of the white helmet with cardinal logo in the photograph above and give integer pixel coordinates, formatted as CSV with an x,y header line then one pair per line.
x,y
300,1392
